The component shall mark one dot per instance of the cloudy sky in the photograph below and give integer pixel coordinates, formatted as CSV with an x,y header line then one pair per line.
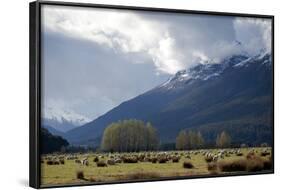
x,y
94,59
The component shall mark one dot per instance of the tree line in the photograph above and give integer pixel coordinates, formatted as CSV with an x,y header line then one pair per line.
x,y
129,136
135,135
187,140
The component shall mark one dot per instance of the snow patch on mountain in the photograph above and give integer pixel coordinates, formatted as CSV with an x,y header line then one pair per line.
x,y
62,119
208,71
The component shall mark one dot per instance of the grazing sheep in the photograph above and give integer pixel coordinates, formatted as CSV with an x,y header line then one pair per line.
x,y
96,159
130,160
208,159
118,161
176,159
50,162
111,162
146,159
265,152
162,160
85,162
101,164
215,158
188,156
56,162
154,160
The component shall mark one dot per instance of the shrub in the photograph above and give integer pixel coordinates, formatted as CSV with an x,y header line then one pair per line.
x,y
188,165
139,175
250,155
92,179
101,164
80,175
233,166
255,164
61,161
212,167
267,164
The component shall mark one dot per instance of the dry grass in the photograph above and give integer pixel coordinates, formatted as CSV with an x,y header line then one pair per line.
x,y
267,164
252,163
66,173
139,175
212,167
233,166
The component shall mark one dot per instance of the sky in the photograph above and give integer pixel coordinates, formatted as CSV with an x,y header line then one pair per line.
x,y
94,59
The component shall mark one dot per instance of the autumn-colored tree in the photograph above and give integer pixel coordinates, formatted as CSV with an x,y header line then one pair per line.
x,y
189,140
129,136
223,140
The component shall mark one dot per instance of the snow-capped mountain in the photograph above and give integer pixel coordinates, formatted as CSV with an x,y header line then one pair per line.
x,y
208,71
234,95
62,120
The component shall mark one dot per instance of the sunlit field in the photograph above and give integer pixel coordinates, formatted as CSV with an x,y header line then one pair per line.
x,y
59,169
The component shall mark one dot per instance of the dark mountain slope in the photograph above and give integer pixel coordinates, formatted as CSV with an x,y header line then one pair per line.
x,y
50,143
239,89
53,131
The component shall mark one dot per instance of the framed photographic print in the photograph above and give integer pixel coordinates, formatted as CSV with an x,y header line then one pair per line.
x,y
131,94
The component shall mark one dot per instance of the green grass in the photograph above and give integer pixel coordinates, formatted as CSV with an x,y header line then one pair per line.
x,y
66,174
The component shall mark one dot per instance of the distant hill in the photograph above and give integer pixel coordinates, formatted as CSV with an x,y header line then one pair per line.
x,y
62,120
234,95
50,143
53,131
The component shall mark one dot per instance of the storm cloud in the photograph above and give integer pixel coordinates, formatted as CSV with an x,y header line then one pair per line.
x,y
94,59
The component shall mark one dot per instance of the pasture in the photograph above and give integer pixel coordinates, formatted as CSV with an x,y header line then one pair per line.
x,y
111,167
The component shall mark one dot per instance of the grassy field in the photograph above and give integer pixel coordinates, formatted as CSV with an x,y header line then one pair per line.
x,y
67,173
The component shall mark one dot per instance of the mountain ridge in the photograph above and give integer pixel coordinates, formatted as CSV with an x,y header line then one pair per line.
x,y
190,100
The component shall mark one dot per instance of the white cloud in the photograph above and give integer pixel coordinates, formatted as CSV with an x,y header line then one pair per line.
x,y
131,44
172,44
166,56
255,34
125,32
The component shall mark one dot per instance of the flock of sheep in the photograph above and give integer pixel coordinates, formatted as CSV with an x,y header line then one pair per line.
x,y
108,159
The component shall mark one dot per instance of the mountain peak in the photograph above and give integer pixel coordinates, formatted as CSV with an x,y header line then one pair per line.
x,y
210,70
63,120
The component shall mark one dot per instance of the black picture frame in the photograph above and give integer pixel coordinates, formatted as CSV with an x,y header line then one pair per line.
x,y
35,85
